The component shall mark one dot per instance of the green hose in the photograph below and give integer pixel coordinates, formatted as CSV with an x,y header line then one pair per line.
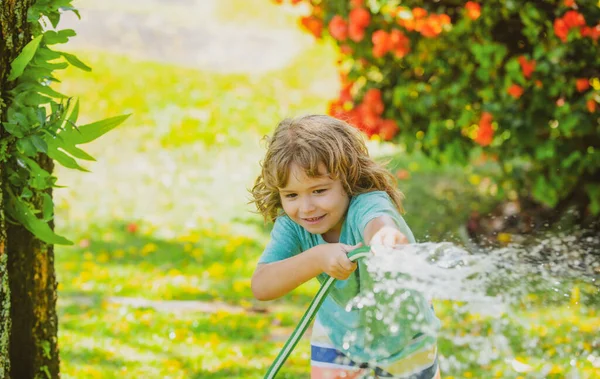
x,y
309,315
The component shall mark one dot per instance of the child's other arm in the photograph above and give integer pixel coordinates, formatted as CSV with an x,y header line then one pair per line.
x,y
383,230
273,280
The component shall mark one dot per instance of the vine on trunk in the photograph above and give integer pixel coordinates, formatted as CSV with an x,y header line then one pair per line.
x,y
40,120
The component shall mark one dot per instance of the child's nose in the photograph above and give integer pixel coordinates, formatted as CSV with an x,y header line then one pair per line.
x,y
307,205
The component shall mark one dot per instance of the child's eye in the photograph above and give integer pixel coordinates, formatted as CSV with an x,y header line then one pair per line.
x,y
320,190
290,196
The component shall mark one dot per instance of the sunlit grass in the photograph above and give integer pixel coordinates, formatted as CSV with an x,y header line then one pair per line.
x,y
184,105
535,342
113,341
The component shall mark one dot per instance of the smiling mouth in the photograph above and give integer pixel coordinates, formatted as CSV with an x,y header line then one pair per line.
x,y
314,219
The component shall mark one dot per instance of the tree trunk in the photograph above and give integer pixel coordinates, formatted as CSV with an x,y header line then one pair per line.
x,y
26,263
4,295
33,340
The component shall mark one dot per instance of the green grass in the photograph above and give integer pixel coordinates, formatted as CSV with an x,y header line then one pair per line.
x,y
164,216
183,105
105,340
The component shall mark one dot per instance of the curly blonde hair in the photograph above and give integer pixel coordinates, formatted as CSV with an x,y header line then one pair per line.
x,y
319,139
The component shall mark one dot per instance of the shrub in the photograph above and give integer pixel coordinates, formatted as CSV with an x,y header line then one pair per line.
x,y
516,82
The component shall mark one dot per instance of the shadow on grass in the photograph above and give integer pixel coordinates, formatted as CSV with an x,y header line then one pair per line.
x,y
112,337
99,357
123,259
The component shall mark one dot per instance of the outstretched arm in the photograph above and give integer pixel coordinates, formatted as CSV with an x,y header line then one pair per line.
x,y
383,230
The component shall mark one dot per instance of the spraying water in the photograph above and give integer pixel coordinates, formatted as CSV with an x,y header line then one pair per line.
x,y
529,309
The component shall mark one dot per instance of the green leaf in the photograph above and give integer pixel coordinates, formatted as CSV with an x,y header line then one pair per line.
x,y
26,194
89,132
63,158
54,18
39,143
38,177
23,59
23,213
47,207
567,124
14,129
593,191
51,37
72,113
46,90
72,59
544,192
57,143
52,66
72,9
26,146
572,158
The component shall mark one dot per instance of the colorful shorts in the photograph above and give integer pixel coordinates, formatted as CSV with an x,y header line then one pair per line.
x,y
328,363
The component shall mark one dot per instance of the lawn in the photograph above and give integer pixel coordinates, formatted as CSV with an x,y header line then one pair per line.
x,y
164,218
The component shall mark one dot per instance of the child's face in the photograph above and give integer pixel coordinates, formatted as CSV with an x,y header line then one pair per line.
x,y
317,204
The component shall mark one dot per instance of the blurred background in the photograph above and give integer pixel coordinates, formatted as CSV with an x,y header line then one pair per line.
x,y
158,282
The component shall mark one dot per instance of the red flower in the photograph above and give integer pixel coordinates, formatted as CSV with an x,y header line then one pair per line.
x,y
419,13
360,17
573,19
473,10
485,132
382,43
582,84
346,49
338,28
515,91
591,105
569,3
560,29
345,95
593,33
408,24
356,33
313,24
359,20
388,129
528,67
372,101
132,227
368,120
444,19
402,174
400,43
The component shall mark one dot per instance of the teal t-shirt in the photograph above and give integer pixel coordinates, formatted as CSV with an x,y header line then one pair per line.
x,y
288,239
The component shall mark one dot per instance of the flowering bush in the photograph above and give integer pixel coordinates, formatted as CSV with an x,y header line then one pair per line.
x,y
513,81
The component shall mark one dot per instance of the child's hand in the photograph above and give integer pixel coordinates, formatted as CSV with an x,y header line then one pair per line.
x,y
388,236
335,262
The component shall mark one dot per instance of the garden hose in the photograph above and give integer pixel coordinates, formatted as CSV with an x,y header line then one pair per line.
x,y
309,315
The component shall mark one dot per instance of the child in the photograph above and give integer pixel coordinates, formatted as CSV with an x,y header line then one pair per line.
x,y
328,197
